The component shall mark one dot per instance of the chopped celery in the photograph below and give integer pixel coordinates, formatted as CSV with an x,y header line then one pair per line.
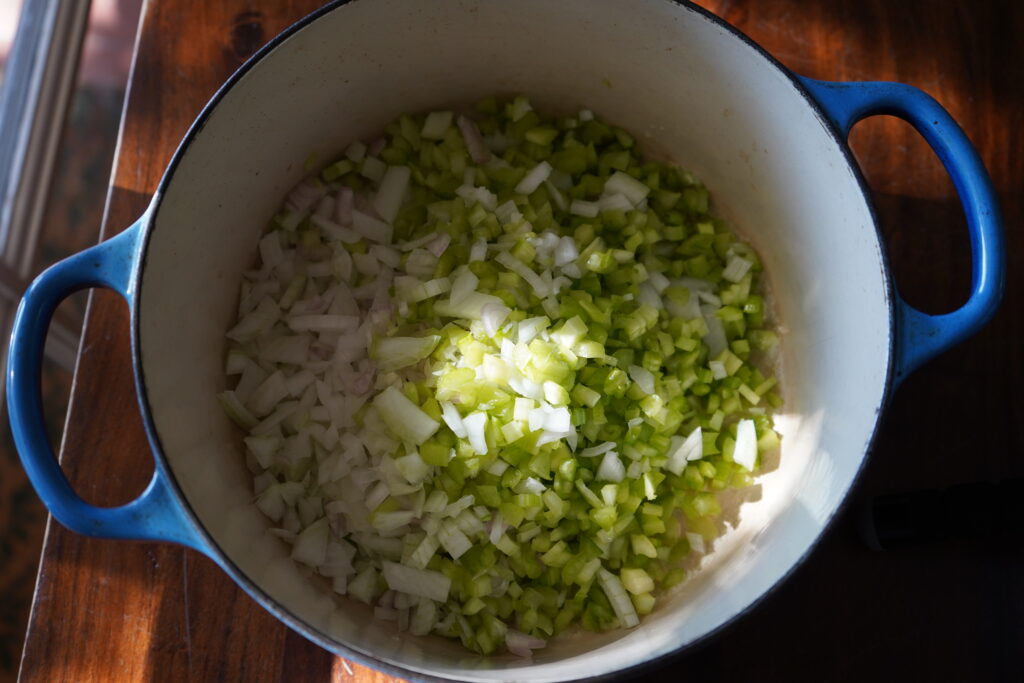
x,y
493,372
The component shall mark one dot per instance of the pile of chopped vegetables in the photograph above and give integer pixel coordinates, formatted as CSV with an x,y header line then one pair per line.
x,y
493,370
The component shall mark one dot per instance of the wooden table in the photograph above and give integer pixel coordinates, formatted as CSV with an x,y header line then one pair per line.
x,y
949,611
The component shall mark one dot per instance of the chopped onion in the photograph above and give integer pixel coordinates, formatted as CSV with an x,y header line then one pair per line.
x,y
521,644
453,540
507,213
649,296
583,208
600,449
436,124
386,255
478,252
419,582
311,545
323,323
270,250
566,252
745,453
493,315
454,420
696,542
618,598
439,244
403,417
659,281
371,228
478,151
356,151
683,450
537,175
643,378
394,353
257,322
556,196
611,468
614,202
471,307
717,368
474,424
463,285
736,268
344,205
422,416
540,288
715,338
622,183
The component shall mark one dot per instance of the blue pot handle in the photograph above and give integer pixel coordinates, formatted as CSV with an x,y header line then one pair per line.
x,y
920,337
155,514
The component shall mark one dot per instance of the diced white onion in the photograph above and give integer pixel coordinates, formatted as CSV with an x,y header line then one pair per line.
x,y
391,193
463,285
600,449
619,599
343,205
420,582
696,542
371,228
649,296
717,368
685,450
528,329
745,453
478,151
475,424
566,252
715,338
453,419
643,378
625,184
521,644
439,244
436,124
478,252
736,268
356,151
471,307
492,316
611,468
659,281
579,207
453,540
506,259
614,202
403,417
532,180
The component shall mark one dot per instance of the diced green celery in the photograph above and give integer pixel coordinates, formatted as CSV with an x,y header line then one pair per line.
x,y
642,545
574,547
636,581
644,603
584,395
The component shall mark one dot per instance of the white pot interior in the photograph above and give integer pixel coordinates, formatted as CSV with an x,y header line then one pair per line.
x,y
692,92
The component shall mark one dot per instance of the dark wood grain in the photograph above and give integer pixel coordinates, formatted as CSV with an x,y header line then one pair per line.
x,y
950,611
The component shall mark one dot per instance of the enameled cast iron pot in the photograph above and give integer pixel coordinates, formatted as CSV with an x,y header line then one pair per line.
x,y
769,144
